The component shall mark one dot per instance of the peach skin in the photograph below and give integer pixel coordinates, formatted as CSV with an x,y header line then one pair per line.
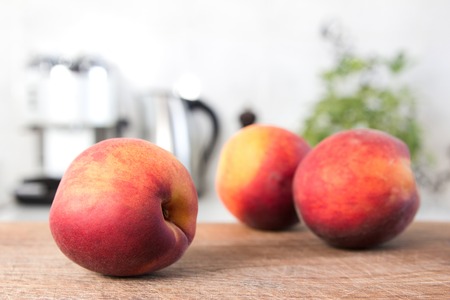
x,y
254,176
356,189
124,207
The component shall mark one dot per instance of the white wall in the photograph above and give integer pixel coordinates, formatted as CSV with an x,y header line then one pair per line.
x,y
263,54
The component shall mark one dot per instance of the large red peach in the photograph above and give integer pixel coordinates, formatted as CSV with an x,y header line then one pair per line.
x,y
254,176
356,189
124,207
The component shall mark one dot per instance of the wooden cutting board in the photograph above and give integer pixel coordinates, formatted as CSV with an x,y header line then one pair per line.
x,y
231,261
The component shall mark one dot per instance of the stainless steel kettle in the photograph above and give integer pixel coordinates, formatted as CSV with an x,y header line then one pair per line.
x,y
172,123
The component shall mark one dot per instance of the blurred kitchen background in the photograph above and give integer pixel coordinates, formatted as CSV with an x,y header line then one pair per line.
x,y
124,67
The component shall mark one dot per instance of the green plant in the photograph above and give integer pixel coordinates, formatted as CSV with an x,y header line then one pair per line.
x,y
364,91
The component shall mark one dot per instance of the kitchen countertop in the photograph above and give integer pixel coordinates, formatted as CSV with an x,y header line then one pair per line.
x,y
232,261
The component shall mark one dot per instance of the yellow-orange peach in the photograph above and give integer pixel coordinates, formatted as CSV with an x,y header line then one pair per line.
x,y
356,188
124,207
254,175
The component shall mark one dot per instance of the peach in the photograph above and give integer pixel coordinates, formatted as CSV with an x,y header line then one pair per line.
x,y
254,176
124,207
356,189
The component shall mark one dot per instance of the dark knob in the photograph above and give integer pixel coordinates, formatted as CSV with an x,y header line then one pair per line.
x,y
247,117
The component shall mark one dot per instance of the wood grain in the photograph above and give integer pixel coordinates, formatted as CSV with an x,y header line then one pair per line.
x,y
230,261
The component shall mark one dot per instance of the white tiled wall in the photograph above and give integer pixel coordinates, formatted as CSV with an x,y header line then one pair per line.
x,y
262,54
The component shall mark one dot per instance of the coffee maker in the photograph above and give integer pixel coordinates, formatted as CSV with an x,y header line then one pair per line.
x,y
70,105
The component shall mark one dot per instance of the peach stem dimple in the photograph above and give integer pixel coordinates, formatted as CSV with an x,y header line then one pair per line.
x,y
165,212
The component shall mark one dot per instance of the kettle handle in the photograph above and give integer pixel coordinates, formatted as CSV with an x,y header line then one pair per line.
x,y
202,106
